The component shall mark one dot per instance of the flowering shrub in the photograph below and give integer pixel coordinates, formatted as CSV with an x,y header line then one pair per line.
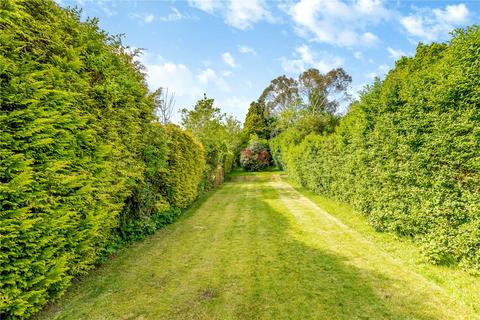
x,y
256,156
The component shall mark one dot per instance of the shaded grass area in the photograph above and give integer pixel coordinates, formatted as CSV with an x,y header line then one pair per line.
x,y
256,249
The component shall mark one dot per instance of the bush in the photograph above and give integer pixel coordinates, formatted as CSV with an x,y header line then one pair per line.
x,y
256,157
229,162
406,155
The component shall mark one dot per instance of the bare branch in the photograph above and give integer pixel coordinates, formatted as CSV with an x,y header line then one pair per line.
x,y
164,104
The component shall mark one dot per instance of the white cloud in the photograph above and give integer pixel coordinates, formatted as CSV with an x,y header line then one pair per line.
x,y
336,22
177,77
395,54
243,14
235,105
434,24
227,73
455,14
209,76
369,38
205,5
246,49
308,59
229,60
176,15
188,85
238,14
143,18
181,79
305,54
149,18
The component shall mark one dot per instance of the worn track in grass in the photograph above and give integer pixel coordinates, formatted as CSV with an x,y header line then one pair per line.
x,y
256,249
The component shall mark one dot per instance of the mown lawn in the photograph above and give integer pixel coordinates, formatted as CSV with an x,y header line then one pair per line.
x,y
259,249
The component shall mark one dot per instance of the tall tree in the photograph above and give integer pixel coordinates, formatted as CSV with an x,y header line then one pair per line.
x,y
280,94
323,92
312,89
204,120
208,124
256,121
309,103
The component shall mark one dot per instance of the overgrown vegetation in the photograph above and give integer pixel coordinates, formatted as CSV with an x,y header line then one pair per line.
x,y
406,154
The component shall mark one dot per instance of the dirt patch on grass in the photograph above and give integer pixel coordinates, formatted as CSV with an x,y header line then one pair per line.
x,y
208,294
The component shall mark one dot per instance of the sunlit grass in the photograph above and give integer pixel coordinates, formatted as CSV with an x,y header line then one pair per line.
x,y
259,249
457,283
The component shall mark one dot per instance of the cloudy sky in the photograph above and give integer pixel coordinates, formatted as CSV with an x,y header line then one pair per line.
x,y
231,49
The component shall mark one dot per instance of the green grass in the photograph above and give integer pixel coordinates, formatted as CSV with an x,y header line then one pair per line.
x,y
259,249
459,284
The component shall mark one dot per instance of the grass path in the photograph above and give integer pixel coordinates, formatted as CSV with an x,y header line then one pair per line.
x,y
257,249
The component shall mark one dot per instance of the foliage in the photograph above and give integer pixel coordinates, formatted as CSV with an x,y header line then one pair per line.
x,y
146,205
321,93
74,107
256,156
77,142
179,183
406,155
256,121
219,134
229,162
250,232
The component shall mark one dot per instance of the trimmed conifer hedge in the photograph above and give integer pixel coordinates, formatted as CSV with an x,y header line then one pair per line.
x,y
77,142
186,165
407,155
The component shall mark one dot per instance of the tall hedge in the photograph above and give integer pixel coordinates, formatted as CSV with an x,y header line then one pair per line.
x,y
186,164
147,209
407,155
73,109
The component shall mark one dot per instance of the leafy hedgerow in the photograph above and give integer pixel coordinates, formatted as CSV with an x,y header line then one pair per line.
x,y
77,142
407,154
186,163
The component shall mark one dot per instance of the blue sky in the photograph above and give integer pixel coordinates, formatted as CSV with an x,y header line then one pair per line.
x,y
231,49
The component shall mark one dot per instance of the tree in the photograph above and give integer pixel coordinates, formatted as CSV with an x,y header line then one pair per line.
x,y
256,121
208,124
164,102
323,92
204,120
281,93
312,89
233,133
309,103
